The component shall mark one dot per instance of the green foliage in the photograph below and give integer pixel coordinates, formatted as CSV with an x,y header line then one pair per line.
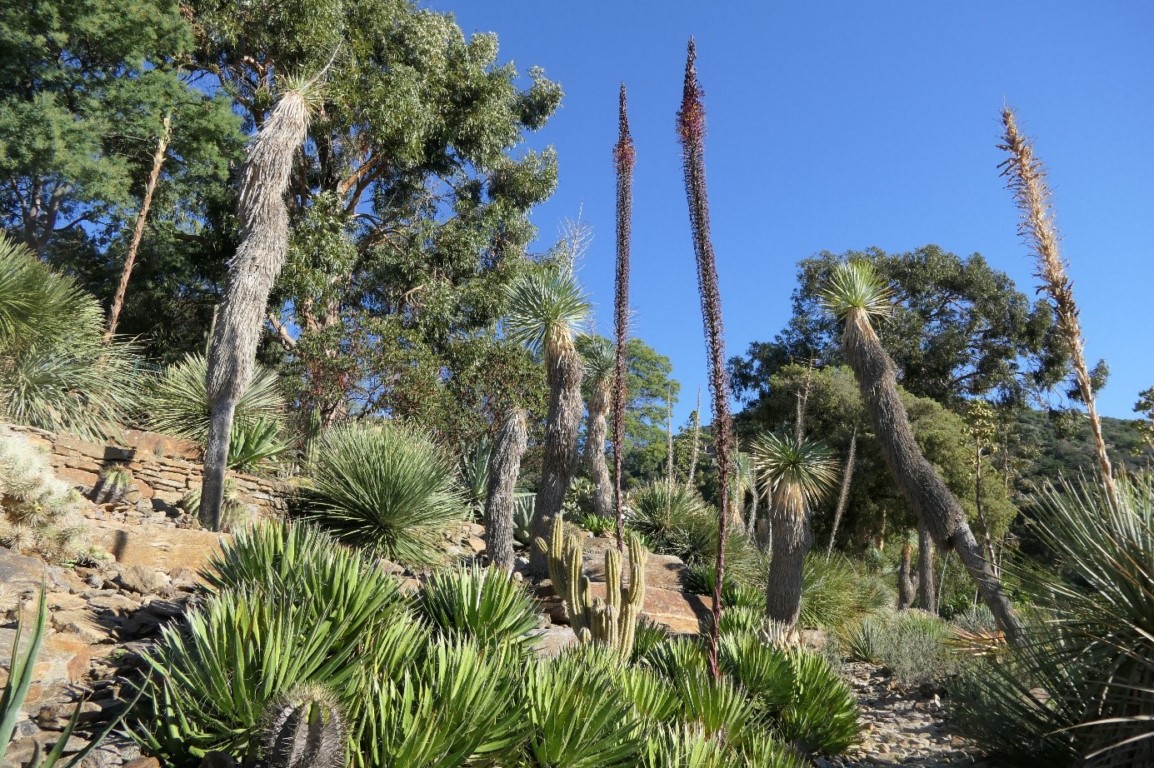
x,y
762,669
524,502
387,487
486,605
1078,692
254,443
803,467
545,304
598,525
647,635
177,403
450,708
56,373
719,705
579,719
837,591
910,643
822,714
673,520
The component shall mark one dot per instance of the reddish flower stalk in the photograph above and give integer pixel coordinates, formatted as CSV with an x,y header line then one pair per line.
x,y
691,129
623,157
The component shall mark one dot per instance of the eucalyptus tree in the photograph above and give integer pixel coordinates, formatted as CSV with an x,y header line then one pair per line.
x,y
795,474
599,356
546,310
857,297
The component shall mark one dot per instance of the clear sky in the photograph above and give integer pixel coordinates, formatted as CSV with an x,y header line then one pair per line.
x,y
842,125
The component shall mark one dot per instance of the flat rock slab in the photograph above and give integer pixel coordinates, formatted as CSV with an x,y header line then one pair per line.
x,y
157,548
22,575
661,571
682,612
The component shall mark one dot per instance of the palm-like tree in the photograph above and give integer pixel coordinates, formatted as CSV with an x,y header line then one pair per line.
x,y
796,474
857,296
600,361
501,486
546,310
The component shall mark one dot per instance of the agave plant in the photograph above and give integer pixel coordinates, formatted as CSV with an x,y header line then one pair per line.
x,y
56,373
487,605
387,487
254,443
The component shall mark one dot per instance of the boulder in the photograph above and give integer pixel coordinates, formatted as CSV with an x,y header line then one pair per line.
x,y
681,612
661,571
146,581
550,641
156,547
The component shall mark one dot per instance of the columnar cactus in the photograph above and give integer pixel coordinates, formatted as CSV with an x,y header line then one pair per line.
x,y
114,483
304,729
613,620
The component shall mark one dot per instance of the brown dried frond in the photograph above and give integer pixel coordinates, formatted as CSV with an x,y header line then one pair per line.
x,y
1026,179
623,156
691,130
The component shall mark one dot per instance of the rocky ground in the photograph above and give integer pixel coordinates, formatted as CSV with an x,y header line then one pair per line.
x,y
102,617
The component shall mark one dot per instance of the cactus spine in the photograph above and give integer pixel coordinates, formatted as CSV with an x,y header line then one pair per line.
x,y
611,621
304,729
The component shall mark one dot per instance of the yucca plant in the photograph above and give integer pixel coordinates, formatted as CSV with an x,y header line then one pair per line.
x,y
1081,690
387,487
718,704
177,402
684,746
503,526
55,371
254,444
546,309
674,521
857,296
796,474
486,605
598,357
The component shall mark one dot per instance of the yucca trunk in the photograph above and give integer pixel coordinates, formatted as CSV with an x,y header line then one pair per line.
x,y
906,584
695,448
564,371
920,484
791,540
691,131
843,495
927,597
623,158
504,468
595,433
138,230
259,258
1028,183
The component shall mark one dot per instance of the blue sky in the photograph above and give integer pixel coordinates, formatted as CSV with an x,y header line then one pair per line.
x,y
843,125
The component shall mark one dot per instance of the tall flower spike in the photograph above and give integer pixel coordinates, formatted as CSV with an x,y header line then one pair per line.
x,y
1027,181
691,129
623,157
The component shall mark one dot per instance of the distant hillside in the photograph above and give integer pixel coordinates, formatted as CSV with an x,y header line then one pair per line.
x,y
1060,445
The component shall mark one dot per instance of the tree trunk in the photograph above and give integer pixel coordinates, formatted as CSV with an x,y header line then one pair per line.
x,y
791,540
264,230
560,450
927,598
504,468
138,230
595,433
919,482
843,495
906,585
693,452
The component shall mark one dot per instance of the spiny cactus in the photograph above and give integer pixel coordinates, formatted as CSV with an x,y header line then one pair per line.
x,y
37,511
304,729
612,621
114,483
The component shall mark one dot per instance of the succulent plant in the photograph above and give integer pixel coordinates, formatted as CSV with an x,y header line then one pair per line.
x,y
304,728
38,511
113,484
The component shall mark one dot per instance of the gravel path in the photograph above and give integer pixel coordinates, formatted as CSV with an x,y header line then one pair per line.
x,y
901,727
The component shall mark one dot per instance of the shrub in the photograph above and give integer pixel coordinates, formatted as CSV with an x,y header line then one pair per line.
x,y
762,669
838,591
487,605
254,443
56,372
911,643
387,487
674,521
822,714
647,635
598,525
38,512
1080,690
720,706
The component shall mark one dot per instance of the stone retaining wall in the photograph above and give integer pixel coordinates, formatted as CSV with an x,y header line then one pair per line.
x,y
164,468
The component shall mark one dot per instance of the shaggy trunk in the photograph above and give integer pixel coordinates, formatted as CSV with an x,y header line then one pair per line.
x,y
791,539
927,598
843,495
920,484
138,230
504,468
696,446
259,258
906,584
751,519
560,450
595,429
1027,181
691,130
623,158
